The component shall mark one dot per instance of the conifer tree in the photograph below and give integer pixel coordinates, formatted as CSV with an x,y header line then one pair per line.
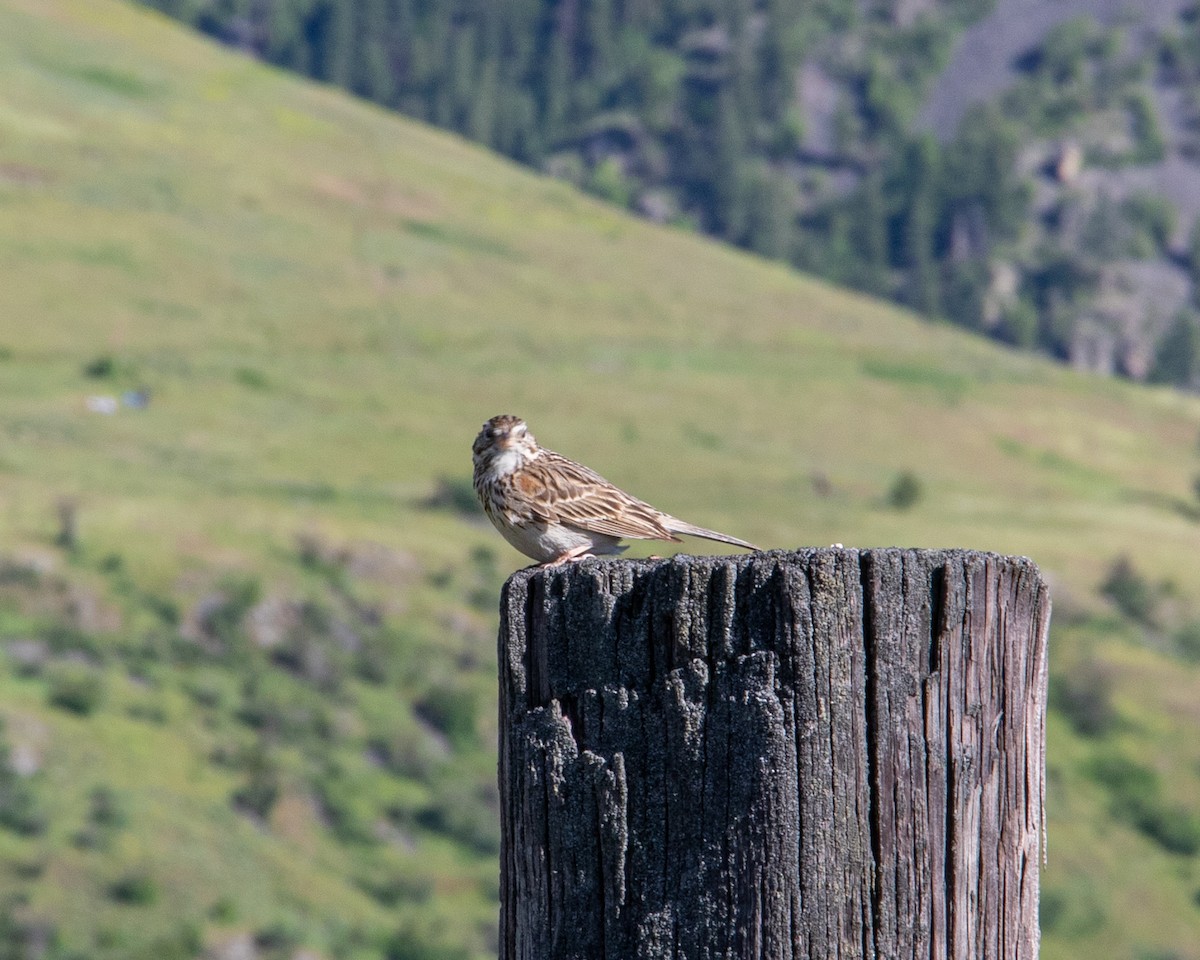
x,y
336,47
920,226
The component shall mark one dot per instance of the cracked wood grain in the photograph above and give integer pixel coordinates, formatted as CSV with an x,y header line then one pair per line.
x,y
819,754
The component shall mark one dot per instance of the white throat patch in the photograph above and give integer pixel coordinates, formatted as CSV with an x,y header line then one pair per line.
x,y
507,462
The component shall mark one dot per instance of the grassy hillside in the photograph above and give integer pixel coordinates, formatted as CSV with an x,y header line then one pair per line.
x,y
253,701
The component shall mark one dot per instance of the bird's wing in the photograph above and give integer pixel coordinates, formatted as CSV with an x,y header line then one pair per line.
x,y
563,491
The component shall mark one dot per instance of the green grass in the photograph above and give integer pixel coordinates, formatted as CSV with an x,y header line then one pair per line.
x,y
325,302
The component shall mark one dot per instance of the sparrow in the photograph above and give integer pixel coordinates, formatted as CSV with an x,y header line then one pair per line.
x,y
555,510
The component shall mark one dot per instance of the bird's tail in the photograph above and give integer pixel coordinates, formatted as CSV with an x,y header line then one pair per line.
x,y
691,530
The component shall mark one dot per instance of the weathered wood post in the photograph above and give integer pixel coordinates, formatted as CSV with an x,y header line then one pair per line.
x,y
819,754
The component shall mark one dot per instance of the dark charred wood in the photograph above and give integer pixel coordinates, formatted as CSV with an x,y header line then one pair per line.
x,y
819,754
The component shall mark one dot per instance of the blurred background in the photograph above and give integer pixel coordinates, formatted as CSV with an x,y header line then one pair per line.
x,y
250,324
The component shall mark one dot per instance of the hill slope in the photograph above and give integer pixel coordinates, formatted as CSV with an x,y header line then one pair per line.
x,y
251,702
1053,207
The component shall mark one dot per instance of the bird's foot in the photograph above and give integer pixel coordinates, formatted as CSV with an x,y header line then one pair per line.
x,y
569,556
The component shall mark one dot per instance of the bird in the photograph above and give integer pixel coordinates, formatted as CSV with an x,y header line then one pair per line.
x,y
555,510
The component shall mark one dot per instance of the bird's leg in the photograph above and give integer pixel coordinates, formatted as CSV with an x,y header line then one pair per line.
x,y
575,553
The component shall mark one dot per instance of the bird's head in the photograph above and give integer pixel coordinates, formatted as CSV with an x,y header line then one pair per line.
x,y
504,440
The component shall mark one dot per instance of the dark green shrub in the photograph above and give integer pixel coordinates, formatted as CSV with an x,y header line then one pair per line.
x,y
165,608
106,816
274,703
450,709
1132,785
309,650
222,620
1177,354
390,888
1187,641
209,687
63,639
408,752
100,367
1132,593
224,910
1175,829
259,794
135,888
251,378
76,688
106,808
412,942
456,495
1084,695
20,808
25,939
182,944
343,806
1153,218
18,574
1136,799
1072,910
905,492
467,810
280,938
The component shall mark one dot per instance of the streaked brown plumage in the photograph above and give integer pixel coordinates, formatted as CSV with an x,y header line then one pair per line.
x,y
554,509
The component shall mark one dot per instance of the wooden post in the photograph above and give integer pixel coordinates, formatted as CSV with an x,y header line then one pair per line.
x,y
820,754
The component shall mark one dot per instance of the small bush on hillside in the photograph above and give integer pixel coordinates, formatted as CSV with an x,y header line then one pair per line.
x,y
25,939
1175,829
451,710
224,910
183,944
275,704
392,887
165,608
222,619
251,378
1187,641
76,688
20,809
135,888
455,494
1152,219
206,690
413,942
468,812
343,805
1158,953
259,794
62,639
100,367
1132,593
106,816
905,492
1084,695
1136,798
310,652
1071,911
408,751
278,939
